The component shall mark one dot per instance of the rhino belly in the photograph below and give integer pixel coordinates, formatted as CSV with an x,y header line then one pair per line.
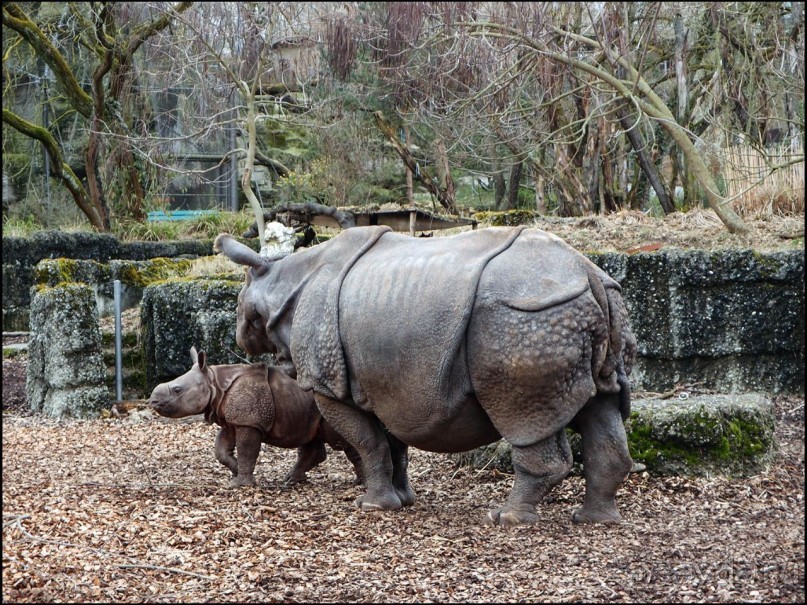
x,y
465,429
431,410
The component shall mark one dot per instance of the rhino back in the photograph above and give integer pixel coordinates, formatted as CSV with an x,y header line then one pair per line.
x,y
272,402
403,312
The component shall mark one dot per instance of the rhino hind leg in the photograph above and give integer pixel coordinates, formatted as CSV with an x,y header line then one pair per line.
x,y
399,453
538,468
606,459
308,456
365,433
248,446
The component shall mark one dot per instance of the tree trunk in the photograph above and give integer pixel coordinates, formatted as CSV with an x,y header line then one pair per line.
x,y
681,107
656,108
61,169
645,161
410,185
444,170
443,196
512,187
499,189
249,164
540,195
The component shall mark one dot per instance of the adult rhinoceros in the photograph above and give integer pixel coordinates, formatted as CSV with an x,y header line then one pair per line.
x,y
449,343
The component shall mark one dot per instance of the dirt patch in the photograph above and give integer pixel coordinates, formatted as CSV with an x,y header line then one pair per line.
x,y
121,511
14,386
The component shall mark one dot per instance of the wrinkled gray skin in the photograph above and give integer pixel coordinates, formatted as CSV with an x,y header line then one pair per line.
x,y
450,343
252,403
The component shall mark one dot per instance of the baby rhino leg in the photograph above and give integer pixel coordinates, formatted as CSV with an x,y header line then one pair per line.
x,y
308,456
225,446
248,444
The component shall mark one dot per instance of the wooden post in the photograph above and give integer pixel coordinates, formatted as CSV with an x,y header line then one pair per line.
x,y
413,217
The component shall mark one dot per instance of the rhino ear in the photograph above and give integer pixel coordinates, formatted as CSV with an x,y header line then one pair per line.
x,y
201,359
193,354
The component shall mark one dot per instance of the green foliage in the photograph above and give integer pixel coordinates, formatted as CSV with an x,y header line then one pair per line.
x,y
283,138
296,187
210,225
22,226
506,218
526,198
369,194
130,230
207,226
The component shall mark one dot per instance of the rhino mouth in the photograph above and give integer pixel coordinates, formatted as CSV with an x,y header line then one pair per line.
x,y
163,408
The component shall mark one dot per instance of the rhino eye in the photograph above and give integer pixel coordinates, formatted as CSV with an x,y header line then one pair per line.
x,y
176,389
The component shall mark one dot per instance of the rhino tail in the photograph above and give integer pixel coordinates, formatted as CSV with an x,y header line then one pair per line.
x,y
624,391
621,345
617,351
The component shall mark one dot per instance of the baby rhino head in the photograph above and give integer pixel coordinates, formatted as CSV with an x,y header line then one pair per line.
x,y
187,395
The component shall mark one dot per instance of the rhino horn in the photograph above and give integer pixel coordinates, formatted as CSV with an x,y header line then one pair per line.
x,y
241,254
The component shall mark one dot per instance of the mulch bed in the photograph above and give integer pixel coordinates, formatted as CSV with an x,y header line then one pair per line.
x,y
124,511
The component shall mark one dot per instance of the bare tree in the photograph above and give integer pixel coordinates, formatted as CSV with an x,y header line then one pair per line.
x,y
571,89
106,39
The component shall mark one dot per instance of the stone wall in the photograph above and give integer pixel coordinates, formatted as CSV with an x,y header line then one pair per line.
x,y
181,313
729,321
66,371
21,254
732,320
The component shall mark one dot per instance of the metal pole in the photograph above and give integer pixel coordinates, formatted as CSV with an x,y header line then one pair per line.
x,y
118,341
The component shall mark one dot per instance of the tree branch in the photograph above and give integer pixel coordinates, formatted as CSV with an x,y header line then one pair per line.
x,y
446,201
60,168
15,18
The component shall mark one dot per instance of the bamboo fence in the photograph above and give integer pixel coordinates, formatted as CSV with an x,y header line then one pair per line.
x,y
763,184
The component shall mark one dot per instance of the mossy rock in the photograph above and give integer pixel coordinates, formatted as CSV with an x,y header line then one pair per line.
x,y
66,372
730,435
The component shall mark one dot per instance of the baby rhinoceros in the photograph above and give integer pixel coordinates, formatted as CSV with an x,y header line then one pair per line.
x,y
253,403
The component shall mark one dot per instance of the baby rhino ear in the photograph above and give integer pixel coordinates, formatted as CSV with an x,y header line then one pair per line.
x,y
201,359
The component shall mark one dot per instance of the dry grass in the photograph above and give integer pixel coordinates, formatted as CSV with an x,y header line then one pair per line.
x,y
763,185
630,231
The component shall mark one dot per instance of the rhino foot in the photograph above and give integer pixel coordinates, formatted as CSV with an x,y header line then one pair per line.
x,y
291,479
586,514
388,502
510,516
241,481
407,497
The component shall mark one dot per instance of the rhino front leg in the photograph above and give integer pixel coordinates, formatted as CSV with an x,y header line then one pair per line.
x,y
308,456
225,446
606,459
358,466
538,468
248,444
363,431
